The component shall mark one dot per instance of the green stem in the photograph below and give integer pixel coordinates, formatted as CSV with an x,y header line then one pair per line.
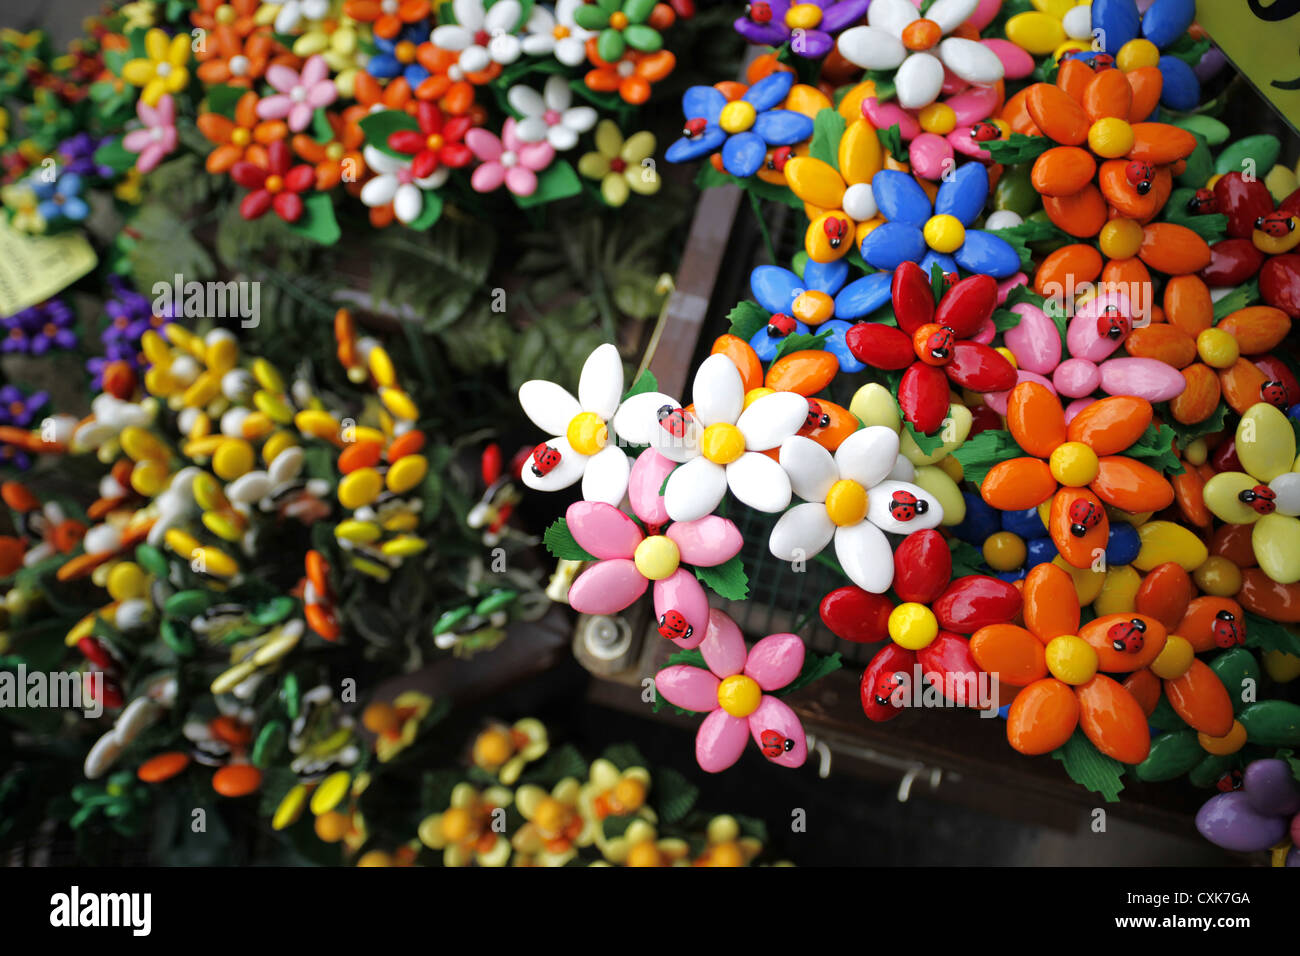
x,y
755,205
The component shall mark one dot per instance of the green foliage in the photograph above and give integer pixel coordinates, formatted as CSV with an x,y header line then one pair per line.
x,y
727,580
1090,768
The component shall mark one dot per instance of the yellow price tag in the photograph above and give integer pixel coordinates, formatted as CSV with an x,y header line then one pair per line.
x,y
34,268
1262,39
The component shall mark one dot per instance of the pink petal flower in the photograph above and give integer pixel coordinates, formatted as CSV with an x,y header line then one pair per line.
x,y
313,71
299,116
680,592
150,157
276,106
536,156
322,94
484,145
774,714
521,181
974,104
607,587
602,530
885,115
488,177
706,542
148,115
165,111
720,741
775,660
724,646
510,134
281,77
689,688
138,140
648,474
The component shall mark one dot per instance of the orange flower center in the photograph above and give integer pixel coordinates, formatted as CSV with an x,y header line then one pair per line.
x,y
560,32
618,20
240,136
434,141
921,34
274,184
405,52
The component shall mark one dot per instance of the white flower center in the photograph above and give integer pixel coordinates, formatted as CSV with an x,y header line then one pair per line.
x,y
163,69
508,158
625,68
389,6
298,94
238,65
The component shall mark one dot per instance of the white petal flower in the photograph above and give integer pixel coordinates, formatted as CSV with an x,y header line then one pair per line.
x,y
581,446
850,498
550,115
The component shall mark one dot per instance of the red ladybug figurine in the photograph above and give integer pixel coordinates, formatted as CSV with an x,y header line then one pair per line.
x,y
780,156
887,685
1084,516
904,506
1227,630
816,417
836,230
1230,781
1202,203
1275,224
1126,636
692,128
985,131
759,12
674,626
1262,498
773,743
1113,324
780,325
1274,392
673,420
545,460
1139,174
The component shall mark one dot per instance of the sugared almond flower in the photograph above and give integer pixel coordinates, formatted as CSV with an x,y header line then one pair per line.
x,y
157,137
852,498
631,559
721,443
298,94
482,37
736,692
580,445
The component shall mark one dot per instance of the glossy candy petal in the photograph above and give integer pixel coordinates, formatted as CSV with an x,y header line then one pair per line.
x,y
864,553
720,741
775,661
723,646
775,714
607,588
682,592
706,542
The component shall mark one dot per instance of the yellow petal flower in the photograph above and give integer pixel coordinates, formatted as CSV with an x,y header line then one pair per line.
x,y
155,45
138,72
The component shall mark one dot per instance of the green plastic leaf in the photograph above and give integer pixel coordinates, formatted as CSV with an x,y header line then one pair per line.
x,y
379,126
708,178
430,213
966,559
674,796
802,343
115,156
222,100
1238,298
321,131
892,140
317,221
828,129
746,319
1090,768
560,542
1211,227
727,580
560,762
1186,434
977,455
1018,148
927,443
645,382
557,181
1188,49
1031,230
624,755
1270,635
815,667
1155,448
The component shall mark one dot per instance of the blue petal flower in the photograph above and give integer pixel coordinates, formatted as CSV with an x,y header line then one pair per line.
x,y
983,252
1118,20
75,208
743,154
941,259
863,296
1167,20
765,346
891,244
703,102
383,65
783,127
1180,89
825,276
963,193
900,198
770,90
775,288
686,149
839,347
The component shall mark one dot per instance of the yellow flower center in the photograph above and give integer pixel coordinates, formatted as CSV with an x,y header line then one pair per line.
x,y
618,20
737,116
1073,464
722,443
239,136
587,433
550,815
944,233
657,557
334,152
434,141
803,16
274,184
560,32
739,695
404,52
224,14
846,502
455,824
812,307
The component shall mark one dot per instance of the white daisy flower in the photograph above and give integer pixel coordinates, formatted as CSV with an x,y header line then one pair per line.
x,y
722,441
482,37
550,115
852,497
557,33
394,183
